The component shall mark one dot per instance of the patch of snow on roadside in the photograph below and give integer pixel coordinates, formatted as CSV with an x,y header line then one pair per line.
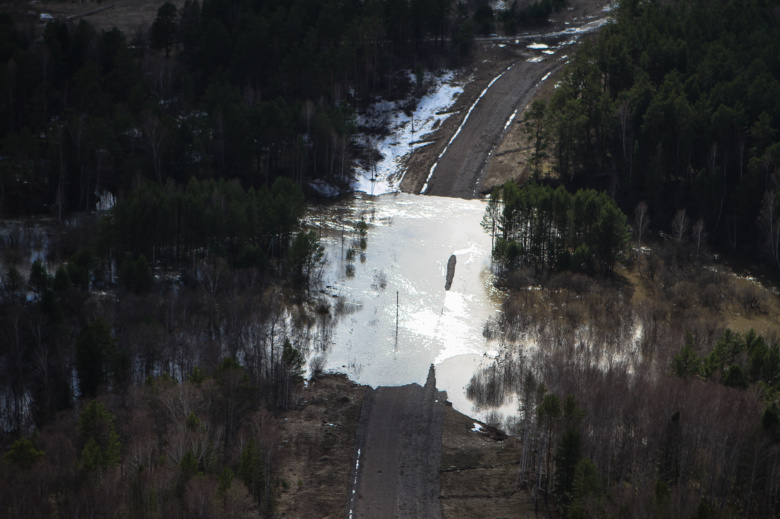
x,y
386,175
512,118
477,427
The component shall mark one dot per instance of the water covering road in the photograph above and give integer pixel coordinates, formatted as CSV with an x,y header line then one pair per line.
x,y
409,242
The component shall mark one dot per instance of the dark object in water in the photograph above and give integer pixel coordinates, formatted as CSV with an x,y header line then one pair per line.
x,y
450,272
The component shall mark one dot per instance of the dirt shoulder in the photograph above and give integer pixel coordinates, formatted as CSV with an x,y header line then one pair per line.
x,y
478,472
317,442
473,474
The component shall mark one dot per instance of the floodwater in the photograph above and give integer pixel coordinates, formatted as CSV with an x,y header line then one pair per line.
x,y
401,319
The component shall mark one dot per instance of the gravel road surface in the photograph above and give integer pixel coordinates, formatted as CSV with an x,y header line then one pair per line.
x,y
459,171
395,473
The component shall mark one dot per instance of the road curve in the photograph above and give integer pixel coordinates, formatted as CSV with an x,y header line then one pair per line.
x,y
395,473
459,170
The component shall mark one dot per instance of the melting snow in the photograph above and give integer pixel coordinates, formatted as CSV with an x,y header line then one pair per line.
x,y
405,134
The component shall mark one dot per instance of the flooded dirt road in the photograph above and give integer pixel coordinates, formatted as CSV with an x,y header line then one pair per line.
x,y
393,316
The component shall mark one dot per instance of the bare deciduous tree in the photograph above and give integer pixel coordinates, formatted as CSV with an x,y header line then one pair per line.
x,y
680,224
641,224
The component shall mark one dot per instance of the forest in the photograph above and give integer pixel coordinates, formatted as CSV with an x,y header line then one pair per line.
x,y
675,104
156,309
84,111
147,349
555,231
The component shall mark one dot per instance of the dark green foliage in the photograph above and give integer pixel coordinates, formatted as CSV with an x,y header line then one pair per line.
x,y
101,445
552,229
94,352
62,281
669,469
677,104
535,12
739,361
586,487
164,28
567,456
197,377
484,19
248,227
51,307
252,256
686,364
81,268
39,280
305,255
135,274
225,480
260,90
251,470
734,377
293,359
188,469
23,453
464,31
534,127
13,281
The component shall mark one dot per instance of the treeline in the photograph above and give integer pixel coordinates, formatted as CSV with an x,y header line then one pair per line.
x,y
175,225
535,12
735,361
676,104
249,90
553,230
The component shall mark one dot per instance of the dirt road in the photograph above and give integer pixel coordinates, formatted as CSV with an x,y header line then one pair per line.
x,y
455,164
458,172
398,453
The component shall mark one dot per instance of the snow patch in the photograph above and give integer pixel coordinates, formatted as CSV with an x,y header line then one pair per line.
x,y
405,135
106,200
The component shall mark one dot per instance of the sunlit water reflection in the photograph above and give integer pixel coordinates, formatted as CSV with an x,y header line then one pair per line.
x,y
410,239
